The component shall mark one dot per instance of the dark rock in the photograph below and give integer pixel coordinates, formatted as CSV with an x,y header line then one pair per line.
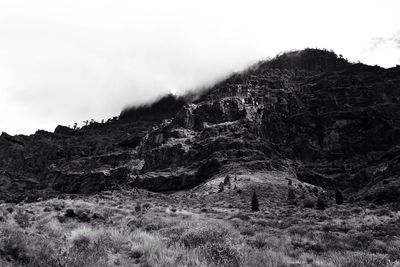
x,y
60,129
83,216
70,213
135,254
10,210
12,139
131,142
97,216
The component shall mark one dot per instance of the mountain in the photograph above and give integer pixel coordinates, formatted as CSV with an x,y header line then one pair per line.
x,y
293,162
310,113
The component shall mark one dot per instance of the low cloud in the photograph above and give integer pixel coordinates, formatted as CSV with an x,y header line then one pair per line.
x,y
378,42
68,61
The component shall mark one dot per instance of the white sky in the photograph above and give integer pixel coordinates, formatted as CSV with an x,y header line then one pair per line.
x,y
67,61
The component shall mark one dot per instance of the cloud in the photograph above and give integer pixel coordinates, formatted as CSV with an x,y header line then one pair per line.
x,y
67,61
377,42
385,47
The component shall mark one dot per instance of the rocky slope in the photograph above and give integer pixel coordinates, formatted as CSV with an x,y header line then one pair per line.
x,y
310,113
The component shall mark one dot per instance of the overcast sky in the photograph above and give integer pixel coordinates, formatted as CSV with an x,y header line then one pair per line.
x,y
67,61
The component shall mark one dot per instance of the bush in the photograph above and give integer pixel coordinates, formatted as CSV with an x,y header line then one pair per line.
x,y
240,216
221,254
308,203
360,259
247,231
22,219
27,250
211,233
138,207
262,258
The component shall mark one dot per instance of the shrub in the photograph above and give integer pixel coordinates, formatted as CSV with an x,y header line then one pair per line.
x,y
210,233
13,245
308,203
22,219
360,259
147,206
360,240
240,216
221,254
262,258
356,210
138,207
27,250
247,231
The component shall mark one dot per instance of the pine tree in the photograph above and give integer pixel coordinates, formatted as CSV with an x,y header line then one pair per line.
x,y
320,204
338,197
254,202
291,194
227,181
221,187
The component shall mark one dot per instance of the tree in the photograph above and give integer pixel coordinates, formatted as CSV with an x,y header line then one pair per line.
x,y
254,202
338,197
221,187
320,204
227,181
75,125
291,194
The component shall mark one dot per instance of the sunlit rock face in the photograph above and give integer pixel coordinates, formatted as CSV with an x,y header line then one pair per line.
x,y
332,123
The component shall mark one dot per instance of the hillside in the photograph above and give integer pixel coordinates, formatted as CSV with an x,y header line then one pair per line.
x,y
296,130
329,122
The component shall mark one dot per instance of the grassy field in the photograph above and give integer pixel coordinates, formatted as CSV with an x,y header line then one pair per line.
x,y
200,227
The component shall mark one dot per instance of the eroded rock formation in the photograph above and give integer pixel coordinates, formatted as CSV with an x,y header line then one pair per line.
x,y
333,123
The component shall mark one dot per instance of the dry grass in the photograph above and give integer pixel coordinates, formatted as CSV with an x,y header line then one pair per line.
x,y
162,233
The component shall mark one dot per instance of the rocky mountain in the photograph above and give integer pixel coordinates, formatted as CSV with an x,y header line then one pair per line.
x,y
310,113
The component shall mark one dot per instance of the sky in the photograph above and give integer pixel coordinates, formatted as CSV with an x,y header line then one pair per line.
x,y
68,61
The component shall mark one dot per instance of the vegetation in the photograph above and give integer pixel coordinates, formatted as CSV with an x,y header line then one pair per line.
x,y
254,202
338,197
291,194
110,230
221,187
320,204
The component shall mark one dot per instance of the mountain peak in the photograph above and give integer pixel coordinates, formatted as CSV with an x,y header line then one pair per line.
x,y
311,59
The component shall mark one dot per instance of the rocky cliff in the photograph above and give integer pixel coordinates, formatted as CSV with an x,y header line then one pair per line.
x,y
329,122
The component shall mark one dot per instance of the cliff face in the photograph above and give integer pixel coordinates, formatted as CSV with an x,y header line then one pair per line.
x,y
332,123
